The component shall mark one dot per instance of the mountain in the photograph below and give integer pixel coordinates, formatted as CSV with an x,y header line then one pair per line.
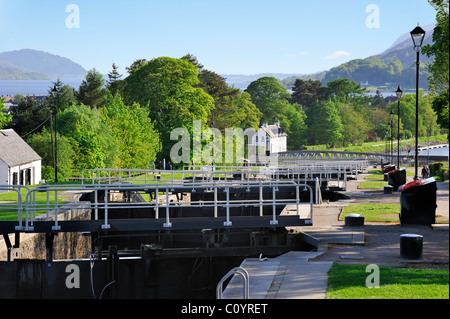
x,y
395,66
30,64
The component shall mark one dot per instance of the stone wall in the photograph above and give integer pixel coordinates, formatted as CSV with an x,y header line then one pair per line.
x,y
66,245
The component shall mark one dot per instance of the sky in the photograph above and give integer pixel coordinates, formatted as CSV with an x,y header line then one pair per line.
x,y
227,37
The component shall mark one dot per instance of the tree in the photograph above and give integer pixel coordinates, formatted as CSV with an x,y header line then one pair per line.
x,y
306,92
5,117
41,143
169,85
355,126
92,91
272,100
94,142
438,80
439,51
326,126
29,118
114,78
270,97
136,65
133,131
66,96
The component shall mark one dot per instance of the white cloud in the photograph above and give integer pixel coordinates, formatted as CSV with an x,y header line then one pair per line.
x,y
303,53
337,55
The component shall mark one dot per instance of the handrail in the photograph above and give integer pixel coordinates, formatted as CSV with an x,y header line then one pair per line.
x,y
16,188
167,189
238,270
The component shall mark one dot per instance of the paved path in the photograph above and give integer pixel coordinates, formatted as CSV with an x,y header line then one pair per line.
x,y
304,275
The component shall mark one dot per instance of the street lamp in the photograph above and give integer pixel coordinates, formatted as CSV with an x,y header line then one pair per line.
x,y
55,95
399,93
417,35
391,146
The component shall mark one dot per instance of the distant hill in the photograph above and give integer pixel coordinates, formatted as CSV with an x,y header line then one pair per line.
x,y
30,64
395,66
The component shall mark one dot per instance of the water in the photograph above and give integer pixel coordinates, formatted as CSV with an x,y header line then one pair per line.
x,y
34,87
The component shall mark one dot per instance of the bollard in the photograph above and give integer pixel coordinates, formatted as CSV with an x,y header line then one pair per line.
x,y
388,189
411,246
354,220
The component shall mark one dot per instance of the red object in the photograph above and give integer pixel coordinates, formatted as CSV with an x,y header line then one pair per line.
x,y
411,184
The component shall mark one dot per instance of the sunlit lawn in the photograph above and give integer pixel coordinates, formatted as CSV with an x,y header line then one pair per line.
x,y
373,212
349,282
11,199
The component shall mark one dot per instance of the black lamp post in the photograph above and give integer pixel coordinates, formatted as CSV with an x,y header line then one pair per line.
x,y
417,35
391,124
399,93
55,95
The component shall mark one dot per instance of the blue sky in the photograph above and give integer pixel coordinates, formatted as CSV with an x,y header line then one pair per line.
x,y
228,37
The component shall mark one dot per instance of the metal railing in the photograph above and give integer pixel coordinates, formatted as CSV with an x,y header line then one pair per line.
x,y
240,271
162,201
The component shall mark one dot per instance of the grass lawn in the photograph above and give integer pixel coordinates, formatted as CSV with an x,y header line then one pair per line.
x,y
373,212
374,184
11,199
349,282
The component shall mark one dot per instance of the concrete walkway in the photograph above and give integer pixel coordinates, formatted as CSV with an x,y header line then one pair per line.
x,y
296,275
289,276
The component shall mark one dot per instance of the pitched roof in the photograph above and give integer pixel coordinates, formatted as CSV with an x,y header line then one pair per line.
x,y
274,130
14,150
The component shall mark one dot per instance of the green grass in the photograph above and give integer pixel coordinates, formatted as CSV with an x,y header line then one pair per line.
x,y
372,212
41,199
375,177
349,282
372,185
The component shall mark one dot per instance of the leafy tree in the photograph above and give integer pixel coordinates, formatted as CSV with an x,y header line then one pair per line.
x,y
326,126
5,117
29,118
355,127
66,96
427,116
92,91
132,129
306,92
169,85
438,80
94,141
440,106
439,50
136,65
41,143
272,99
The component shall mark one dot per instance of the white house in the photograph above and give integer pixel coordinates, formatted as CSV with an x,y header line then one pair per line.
x,y
19,163
272,138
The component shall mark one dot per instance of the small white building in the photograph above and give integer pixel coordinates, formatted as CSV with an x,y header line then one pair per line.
x,y
19,163
272,138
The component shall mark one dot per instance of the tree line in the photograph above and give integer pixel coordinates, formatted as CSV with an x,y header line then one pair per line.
x,y
126,123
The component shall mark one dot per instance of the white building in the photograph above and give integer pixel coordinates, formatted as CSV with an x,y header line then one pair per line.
x,y
272,138
19,163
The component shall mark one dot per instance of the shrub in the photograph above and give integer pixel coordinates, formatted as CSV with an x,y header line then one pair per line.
x,y
435,167
443,173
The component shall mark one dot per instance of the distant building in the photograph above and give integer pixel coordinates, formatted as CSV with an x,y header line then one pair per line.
x,y
272,138
19,163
